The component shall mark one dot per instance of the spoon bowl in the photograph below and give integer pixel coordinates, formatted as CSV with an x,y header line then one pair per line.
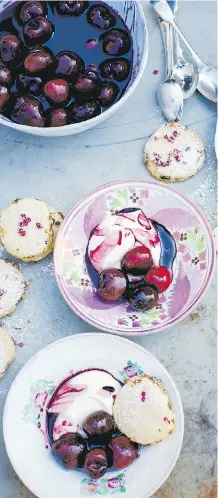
x,y
170,99
207,85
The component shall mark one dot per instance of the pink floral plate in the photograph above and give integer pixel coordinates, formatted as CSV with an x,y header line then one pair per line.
x,y
192,268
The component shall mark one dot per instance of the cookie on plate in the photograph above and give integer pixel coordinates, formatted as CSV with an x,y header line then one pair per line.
x,y
174,153
7,351
28,229
12,286
142,412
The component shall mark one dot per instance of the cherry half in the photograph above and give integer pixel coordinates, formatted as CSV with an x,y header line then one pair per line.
x,y
37,31
70,450
137,261
116,42
11,49
96,463
115,69
112,284
29,10
143,298
124,453
159,277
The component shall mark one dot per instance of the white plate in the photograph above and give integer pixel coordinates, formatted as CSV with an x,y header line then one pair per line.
x,y
25,442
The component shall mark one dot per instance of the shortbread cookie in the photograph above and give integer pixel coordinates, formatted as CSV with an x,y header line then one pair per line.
x,y
174,153
57,218
26,229
7,351
12,286
141,411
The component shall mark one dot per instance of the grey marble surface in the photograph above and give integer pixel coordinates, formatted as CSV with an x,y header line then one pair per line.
x,y
61,171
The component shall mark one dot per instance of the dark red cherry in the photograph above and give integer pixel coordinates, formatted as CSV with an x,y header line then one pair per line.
x,y
69,65
29,10
112,284
4,97
98,424
100,17
29,84
37,31
143,298
70,450
96,463
87,85
58,117
137,261
57,91
28,111
116,42
159,277
108,93
115,69
85,111
38,60
6,77
10,49
124,453
71,8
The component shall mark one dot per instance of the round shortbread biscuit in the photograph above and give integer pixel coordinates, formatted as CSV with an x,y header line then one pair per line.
x,y
7,351
142,412
57,218
12,286
174,153
26,229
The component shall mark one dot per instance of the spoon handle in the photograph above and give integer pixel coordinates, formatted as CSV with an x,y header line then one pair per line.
x,y
167,38
191,50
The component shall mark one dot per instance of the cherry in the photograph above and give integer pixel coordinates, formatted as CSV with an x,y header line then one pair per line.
x,y
6,77
112,284
71,8
37,31
116,42
38,60
96,463
137,261
115,69
100,17
87,85
108,93
29,84
143,298
57,91
58,117
29,10
124,453
82,112
69,65
4,97
159,277
10,49
70,450
98,424
28,111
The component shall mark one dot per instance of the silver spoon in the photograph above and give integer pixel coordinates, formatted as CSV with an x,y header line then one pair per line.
x,y
169,93
184,72
207,74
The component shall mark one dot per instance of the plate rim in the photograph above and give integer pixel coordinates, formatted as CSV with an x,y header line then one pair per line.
x,y
112,329
118,338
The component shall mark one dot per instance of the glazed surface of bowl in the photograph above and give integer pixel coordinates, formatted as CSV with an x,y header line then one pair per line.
x,y
192,268
132,14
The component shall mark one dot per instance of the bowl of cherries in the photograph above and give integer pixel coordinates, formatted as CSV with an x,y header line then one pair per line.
x,y
67,66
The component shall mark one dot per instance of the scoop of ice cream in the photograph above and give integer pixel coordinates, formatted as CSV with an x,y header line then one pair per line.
x,y
117,235
142,411
79,397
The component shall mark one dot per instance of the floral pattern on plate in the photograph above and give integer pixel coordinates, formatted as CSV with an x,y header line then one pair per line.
x,y
104,486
